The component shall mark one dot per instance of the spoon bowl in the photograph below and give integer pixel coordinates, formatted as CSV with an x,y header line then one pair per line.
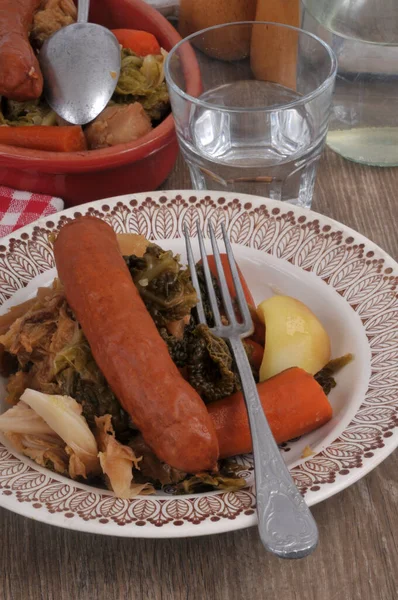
x,y
81,66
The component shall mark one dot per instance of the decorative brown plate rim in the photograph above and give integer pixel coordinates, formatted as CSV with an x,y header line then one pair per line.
x,y
361,272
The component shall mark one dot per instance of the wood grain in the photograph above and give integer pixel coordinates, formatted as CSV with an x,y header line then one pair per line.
x,y
357,558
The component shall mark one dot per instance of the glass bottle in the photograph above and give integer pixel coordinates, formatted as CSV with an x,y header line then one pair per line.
x,y
364,37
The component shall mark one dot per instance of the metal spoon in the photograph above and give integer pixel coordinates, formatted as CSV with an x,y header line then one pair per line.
x,y
81,66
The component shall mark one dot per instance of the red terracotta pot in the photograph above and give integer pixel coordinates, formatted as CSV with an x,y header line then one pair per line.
x,y
139,166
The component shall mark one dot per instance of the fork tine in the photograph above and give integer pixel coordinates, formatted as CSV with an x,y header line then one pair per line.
x,y
208,278
242,302
194,277
226,296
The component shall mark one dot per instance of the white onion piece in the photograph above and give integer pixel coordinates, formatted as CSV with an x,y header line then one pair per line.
x,y
22,419
63,415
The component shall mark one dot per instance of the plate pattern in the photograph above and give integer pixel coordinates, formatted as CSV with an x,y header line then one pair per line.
x,y
357,273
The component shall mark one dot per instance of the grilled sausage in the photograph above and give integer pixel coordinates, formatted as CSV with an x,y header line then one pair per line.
x,y
20,75
128,348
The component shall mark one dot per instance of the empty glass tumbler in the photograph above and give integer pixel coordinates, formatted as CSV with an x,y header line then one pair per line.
x,y
251,103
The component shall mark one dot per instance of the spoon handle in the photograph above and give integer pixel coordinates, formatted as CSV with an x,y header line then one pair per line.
x,y
82,11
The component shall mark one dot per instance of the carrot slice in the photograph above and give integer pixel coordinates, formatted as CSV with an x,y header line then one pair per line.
x,y
140,42
293,402
42,137
258,334
257,352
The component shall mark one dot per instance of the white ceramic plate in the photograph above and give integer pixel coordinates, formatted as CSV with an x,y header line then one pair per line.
x,y
351,285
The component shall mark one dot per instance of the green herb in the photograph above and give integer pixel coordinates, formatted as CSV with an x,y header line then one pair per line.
x,y
211,368
164,285
203,482
32,112
325,377
78,376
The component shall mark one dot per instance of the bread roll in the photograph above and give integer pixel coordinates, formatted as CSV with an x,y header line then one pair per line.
x,y
273,54
227,44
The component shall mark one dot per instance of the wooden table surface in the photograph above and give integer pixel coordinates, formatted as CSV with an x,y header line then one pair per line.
x,y
357,558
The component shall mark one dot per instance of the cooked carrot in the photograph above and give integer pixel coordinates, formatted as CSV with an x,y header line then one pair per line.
x,y
228,276
293,402
258,334
140,42
257,352
42,137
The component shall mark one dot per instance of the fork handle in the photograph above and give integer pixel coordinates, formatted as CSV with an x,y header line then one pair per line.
x,y
286,525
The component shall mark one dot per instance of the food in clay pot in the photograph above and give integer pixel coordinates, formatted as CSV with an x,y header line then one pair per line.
x,y
117,125
139,103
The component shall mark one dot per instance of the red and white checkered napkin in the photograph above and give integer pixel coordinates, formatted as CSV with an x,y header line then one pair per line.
x,y
21,208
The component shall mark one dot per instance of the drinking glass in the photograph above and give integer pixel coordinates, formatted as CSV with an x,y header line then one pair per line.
x,y
364,35
251,104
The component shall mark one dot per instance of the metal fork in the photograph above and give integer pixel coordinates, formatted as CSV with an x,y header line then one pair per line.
x,y
285,523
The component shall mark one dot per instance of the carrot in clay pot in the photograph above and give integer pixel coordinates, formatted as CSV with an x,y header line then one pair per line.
x,y
140,42
293,402
230,44
44,137
273,55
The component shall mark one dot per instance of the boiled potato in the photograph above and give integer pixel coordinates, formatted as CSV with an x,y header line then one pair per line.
x,y
294,337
